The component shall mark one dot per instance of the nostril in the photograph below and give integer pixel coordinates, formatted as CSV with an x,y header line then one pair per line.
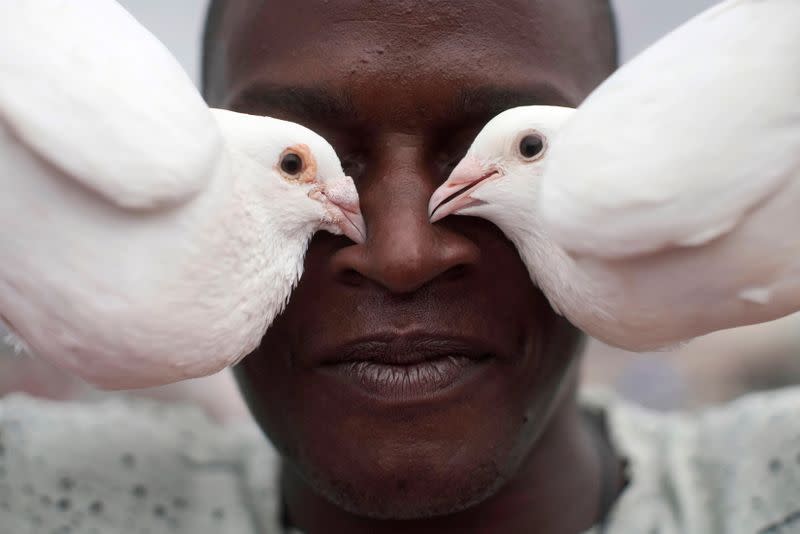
x,y
455,273
350,277
404,252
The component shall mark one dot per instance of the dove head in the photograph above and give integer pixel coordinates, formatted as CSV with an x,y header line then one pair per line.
x,y
300,167
499,177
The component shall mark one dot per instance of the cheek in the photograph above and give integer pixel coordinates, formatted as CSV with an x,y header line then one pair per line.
x,y
275,384
266,380
411,461
437,456
536,380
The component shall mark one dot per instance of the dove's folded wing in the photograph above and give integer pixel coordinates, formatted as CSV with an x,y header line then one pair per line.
x,y
95,95
683,142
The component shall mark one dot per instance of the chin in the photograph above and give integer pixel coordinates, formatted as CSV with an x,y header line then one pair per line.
x,y
413,462
413,490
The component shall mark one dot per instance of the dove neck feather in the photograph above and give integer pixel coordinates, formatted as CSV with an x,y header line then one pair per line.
x,y
266,227
569,289
572,291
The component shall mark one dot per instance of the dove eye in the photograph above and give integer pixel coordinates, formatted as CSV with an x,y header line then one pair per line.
x,y
531,146
292,164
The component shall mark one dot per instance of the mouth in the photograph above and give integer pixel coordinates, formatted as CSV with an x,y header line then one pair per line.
x,y
404,368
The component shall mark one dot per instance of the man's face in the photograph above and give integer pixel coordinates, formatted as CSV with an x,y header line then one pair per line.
x,y
400,88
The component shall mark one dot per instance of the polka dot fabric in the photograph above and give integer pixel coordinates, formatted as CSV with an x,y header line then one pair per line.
x,y
139,467
733,469
122,467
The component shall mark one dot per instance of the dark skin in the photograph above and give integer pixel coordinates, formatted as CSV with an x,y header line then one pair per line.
x,y
400,89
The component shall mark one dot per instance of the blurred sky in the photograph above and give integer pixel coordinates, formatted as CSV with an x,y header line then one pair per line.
x,y
178,23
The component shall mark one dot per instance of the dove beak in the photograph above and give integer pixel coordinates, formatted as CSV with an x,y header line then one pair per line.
x,y
454,195
352,224
342,200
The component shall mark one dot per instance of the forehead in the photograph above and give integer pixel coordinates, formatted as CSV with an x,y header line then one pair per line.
x,y
420,49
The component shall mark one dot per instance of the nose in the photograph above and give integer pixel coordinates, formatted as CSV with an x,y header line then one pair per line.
x,y
403,251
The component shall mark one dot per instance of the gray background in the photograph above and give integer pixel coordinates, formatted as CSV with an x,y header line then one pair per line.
x,y
178,23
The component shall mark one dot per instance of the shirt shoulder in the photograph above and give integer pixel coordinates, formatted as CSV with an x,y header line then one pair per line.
x,y
128,466
726,470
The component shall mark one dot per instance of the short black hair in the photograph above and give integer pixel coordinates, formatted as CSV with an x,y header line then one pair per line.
x,y
216,11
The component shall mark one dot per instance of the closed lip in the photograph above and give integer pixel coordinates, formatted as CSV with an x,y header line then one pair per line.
x,y
405,349
407,367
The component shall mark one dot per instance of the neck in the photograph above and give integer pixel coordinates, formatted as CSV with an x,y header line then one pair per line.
x,y
563,472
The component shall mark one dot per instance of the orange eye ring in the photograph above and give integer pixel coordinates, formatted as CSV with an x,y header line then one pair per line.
x,y
297,164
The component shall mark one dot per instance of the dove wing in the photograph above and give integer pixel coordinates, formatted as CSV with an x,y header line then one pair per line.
x,y
682,143
91,92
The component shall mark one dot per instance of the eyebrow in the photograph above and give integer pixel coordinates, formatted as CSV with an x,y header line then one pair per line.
x,y
484,102
308,102
468,105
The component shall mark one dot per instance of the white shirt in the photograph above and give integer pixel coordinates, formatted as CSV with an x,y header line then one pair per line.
x,y
136,467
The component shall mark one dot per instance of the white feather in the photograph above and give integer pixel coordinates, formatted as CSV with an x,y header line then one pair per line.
x,y
95,95
509,203
646,302
145,239
682,144
675,187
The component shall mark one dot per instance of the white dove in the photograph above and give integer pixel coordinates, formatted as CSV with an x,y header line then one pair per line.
x,y
145,239
675,186
499,180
